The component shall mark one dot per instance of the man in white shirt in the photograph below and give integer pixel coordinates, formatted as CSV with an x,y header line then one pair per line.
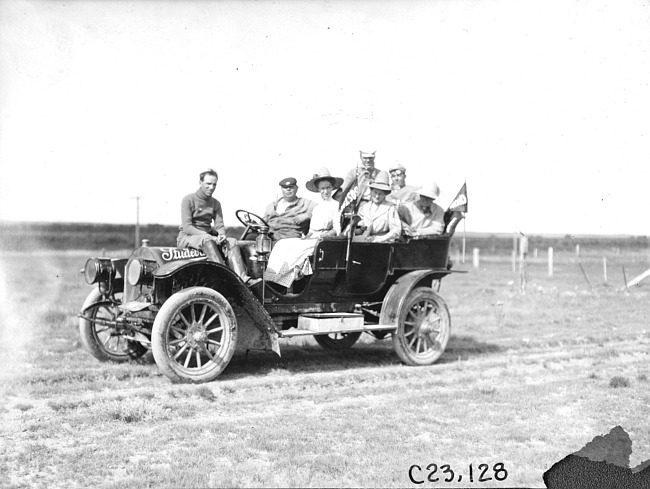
x,y
423,217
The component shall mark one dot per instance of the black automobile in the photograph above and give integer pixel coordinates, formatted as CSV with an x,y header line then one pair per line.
x,y
193,313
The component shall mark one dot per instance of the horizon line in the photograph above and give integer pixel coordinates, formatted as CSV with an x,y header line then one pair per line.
x,y
458,233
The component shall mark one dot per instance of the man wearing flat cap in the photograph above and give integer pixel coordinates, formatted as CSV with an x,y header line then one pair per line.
x,y
363,174
401,192
289,216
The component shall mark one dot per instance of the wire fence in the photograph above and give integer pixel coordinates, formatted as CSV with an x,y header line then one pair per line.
x,y
592,267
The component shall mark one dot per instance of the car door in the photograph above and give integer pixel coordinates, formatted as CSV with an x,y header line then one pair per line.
x,y
367,267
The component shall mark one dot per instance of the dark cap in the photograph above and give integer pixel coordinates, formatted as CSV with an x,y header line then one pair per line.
x,y
288,182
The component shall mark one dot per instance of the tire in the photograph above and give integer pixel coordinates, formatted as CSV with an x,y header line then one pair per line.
x,y
423,329
102,341
194,335
337,341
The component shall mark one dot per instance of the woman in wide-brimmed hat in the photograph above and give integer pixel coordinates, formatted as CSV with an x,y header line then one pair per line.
x,y
289,260
379,219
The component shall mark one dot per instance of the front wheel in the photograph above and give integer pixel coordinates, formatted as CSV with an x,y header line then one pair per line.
x,y
337,341
424,328
194,335
99,332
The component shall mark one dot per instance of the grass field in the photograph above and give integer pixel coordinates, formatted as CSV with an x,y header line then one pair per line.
x,y
527,378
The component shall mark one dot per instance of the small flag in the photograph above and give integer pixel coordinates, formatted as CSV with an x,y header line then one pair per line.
x,y
459,204
348,201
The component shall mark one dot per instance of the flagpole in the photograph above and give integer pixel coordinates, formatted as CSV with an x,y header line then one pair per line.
x,y
464,220
458,207
464,239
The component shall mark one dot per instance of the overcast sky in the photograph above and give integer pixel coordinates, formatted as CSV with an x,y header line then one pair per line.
x,y
543,107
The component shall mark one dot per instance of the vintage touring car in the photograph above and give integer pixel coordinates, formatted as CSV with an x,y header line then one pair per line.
x,y
193,313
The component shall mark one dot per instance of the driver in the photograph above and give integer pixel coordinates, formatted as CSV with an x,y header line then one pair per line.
x,y
198,211
288,217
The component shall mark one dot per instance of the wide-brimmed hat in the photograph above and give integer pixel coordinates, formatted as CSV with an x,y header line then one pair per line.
x,y
323,174
432,191
382,182
367,153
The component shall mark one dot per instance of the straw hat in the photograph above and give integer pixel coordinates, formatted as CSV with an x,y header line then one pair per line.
x,y
432,191
323,174
382,182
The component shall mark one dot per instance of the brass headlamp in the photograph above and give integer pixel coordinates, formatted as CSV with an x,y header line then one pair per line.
x,y
99,270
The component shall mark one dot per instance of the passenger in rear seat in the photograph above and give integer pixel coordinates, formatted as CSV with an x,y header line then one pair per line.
x,y
379,220
423,217
401,192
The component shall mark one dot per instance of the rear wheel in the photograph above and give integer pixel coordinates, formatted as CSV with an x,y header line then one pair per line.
x,y
99,333
424,328
194,335
337,341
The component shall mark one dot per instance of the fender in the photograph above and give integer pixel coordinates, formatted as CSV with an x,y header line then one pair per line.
x,y
257,329
398,292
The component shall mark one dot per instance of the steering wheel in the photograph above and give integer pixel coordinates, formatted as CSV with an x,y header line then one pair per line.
x,y
251,222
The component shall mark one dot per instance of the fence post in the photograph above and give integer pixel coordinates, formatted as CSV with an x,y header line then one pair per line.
x,y
514,261
605,269
550,261
578,251
475,259
523,254
523,251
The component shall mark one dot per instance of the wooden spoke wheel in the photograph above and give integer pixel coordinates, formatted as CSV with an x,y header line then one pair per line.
x,y
424,328
194,335
100,334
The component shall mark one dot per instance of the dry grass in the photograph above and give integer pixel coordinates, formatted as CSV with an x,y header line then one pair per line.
x,y
526,379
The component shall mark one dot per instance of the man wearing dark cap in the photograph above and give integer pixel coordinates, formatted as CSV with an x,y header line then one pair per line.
x,y
289,216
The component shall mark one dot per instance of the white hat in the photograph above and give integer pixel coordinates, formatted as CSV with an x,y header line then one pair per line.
x,y
432,191
367,153
382,182
397,166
